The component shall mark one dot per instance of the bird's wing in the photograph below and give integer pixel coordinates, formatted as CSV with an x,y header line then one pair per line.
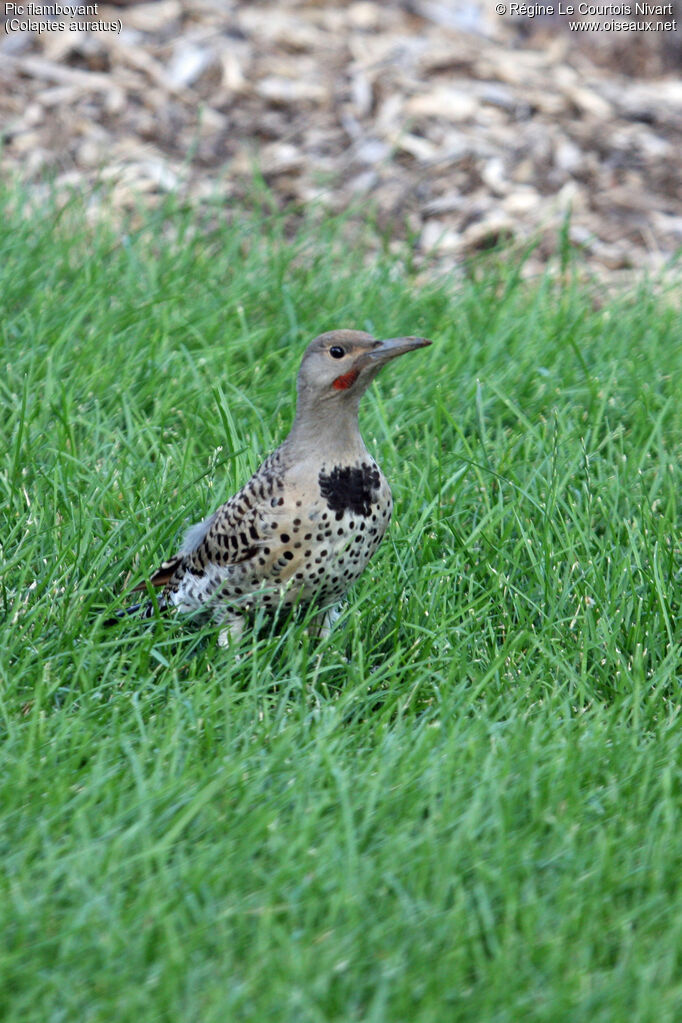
x,y
232,534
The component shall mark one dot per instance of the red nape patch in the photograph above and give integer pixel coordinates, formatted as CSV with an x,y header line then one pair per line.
x,y
342,383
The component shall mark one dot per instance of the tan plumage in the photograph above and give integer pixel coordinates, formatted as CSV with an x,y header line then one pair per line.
x,y
303,528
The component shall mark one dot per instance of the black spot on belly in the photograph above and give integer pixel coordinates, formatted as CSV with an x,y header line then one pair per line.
x,y
350,488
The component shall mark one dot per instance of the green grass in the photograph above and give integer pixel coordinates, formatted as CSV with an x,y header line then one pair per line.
x,y
467,804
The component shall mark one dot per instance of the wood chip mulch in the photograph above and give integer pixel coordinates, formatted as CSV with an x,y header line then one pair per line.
x,y
459,128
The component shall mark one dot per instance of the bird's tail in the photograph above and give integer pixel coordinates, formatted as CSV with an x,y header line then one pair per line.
x,y
145,609
160,579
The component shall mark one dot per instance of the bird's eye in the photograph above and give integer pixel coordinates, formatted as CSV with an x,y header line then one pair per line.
x,y
337,352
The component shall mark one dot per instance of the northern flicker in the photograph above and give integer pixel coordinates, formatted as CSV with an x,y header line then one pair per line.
x,y
305,525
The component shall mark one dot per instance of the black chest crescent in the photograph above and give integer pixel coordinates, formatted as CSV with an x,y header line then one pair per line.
x,y
352,488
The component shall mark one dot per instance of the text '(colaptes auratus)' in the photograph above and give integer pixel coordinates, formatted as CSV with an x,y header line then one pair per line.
x,y
307,522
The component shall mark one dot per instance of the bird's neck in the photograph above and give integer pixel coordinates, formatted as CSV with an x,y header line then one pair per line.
x,y
332,431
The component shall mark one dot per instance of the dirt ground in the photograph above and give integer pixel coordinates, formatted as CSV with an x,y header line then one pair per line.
x,y
459,127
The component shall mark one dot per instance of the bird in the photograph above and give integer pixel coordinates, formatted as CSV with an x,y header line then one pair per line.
x,y
304,527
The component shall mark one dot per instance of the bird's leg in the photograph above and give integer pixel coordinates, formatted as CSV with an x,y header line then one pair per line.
x,y
322,623
233,628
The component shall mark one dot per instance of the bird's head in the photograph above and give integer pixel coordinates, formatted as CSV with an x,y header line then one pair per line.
x,y
340,365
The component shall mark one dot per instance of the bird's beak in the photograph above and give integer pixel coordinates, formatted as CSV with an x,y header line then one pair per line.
x,y
393,346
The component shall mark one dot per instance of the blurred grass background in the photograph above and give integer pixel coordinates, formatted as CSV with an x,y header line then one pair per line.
x,y
467,803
